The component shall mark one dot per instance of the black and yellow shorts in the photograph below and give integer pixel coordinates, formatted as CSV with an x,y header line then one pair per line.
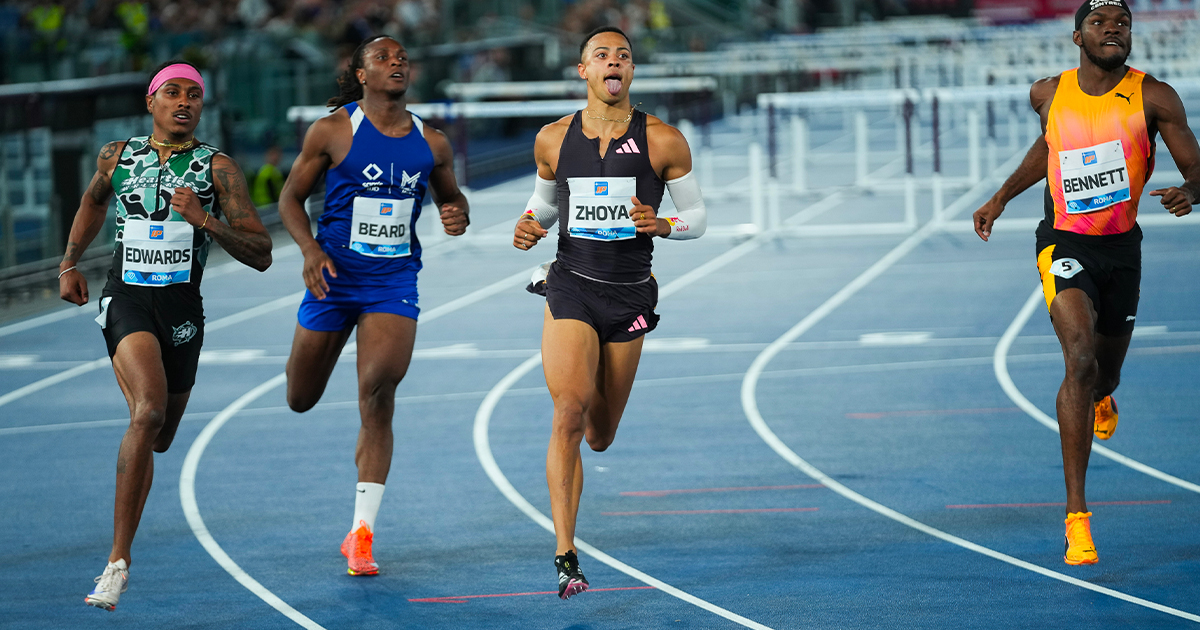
x,y
1110,275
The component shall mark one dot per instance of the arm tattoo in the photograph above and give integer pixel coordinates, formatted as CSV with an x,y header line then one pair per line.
x,y
100,189
72,255
109,150
247,241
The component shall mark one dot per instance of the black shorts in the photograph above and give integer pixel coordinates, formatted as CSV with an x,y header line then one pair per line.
x,y
1109,271
617,312
175,315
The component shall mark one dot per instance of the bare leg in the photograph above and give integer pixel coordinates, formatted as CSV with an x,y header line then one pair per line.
x,y
139,369
176,404
314,355
614,381
385,345
570,359
590,385
1074,322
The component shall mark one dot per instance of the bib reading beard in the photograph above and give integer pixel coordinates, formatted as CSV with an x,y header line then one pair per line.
x,y
382,227
600,208
156,253
1094,178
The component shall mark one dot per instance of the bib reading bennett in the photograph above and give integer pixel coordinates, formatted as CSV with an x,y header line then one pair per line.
x,y
1100,157
372,201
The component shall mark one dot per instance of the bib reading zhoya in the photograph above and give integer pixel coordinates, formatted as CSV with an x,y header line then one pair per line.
x,y
1094,178
156,253
600,208
382,227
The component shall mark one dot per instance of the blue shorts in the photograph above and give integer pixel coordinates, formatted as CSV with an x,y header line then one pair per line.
x,y
343,304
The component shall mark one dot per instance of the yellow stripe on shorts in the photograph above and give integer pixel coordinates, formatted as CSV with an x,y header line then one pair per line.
x,y
1044,260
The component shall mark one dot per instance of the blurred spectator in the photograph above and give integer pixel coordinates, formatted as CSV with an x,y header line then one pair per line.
x,y
135,30
269,180
492,65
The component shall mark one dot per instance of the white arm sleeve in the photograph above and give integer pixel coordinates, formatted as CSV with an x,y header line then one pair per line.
x,y
543,205
691,217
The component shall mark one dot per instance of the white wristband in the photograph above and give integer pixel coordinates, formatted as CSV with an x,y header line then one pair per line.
x,y
64,271
691,217
543,205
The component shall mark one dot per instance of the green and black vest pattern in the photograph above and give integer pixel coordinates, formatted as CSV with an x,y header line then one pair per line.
x,y
155,246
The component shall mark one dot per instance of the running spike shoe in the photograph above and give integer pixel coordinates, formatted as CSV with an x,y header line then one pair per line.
x,y
537,283
570,578
1106,418
109,586
357,549
1079,546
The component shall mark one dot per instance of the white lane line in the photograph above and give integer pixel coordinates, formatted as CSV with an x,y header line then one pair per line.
x,y
72,311
1000,366
37,386
41,320
187,477
750,408
483,450
224,322
860,368
187,496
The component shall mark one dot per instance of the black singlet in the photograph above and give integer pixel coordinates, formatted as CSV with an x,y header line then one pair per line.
x,y
623,261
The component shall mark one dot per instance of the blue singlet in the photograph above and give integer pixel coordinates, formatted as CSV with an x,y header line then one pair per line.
x,y
372,202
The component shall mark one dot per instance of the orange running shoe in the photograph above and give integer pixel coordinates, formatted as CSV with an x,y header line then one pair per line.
x,y
357,549
1080,548
1106,418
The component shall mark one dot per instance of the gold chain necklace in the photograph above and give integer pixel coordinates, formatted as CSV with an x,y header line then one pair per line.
x,y
181,145
622,120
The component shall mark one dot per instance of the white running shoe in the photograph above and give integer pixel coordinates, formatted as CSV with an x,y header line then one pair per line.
x,y
537,282
109,586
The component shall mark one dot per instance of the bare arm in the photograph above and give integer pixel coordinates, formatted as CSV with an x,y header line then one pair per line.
x,y
313,161
1031,170
453,208
1167,112
244,237
89,218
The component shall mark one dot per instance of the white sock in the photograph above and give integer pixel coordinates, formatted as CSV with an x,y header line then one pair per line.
x,y
366,504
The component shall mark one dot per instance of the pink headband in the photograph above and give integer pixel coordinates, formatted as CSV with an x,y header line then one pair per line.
x,y
176,71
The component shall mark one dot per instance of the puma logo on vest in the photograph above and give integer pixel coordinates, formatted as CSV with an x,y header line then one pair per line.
x,y
1125,97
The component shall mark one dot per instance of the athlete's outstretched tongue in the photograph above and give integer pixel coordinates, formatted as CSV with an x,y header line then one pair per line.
x,y
613,85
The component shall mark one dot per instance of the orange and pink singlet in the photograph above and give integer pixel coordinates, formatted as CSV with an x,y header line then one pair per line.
x,y
1101,155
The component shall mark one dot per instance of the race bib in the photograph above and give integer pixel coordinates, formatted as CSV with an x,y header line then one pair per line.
x,y
156,253
1094,178
600,208
382,227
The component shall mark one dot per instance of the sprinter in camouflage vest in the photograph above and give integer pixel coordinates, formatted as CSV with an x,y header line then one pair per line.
x,y
171,191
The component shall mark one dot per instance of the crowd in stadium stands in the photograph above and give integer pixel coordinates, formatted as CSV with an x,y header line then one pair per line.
x,y
338,22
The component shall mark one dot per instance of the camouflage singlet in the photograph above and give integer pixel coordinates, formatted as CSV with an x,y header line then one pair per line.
x,y
155,246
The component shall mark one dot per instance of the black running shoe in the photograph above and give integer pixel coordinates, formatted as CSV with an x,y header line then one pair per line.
x,y
570,578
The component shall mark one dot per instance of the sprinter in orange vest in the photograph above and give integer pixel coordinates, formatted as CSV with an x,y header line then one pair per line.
x,y
1096,153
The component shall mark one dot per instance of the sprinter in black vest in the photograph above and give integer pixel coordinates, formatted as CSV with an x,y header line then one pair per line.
x,y
601,173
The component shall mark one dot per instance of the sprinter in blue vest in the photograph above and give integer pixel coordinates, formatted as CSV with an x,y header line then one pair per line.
x,y
361,269
601,175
